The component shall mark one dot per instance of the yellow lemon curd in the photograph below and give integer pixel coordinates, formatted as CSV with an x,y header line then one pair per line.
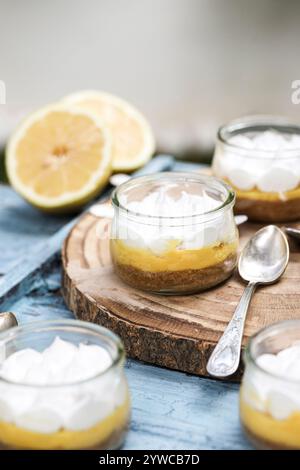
x,y
255,194
12,436
281,433
172,259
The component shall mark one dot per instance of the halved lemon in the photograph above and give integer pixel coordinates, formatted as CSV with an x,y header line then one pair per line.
x,y
132,137
59,158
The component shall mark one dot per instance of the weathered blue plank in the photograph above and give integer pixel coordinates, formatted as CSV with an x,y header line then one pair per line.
x,y
171,410
22,227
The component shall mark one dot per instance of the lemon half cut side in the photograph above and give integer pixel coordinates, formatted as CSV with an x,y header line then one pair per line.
x,y
59,158
132,138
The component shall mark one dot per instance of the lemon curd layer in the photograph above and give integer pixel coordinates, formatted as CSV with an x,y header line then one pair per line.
x,y
255,194
12,436
281,433
172,259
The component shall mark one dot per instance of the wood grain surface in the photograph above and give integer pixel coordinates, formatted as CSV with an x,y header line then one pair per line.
x,y
177,332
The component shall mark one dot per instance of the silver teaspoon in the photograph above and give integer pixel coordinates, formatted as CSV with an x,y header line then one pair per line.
x,y
7,320
262,261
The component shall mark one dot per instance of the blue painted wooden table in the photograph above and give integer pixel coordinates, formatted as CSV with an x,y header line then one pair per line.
x,y
171,410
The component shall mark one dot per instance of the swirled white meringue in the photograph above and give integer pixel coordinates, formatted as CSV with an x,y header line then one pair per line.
x,y
60,387
187,232
277,393
260,159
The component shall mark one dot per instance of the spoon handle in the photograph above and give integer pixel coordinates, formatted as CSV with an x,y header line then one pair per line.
x,y
225,358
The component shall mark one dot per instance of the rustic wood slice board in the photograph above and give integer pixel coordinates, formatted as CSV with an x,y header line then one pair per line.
x,y
177,332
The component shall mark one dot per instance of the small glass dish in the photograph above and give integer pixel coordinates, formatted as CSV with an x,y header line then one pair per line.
x,y
269,395
174,233
259,157
85,414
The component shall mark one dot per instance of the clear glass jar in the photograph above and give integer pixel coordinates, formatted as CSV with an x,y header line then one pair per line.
x,y
260,158
87,414
270,399
173,233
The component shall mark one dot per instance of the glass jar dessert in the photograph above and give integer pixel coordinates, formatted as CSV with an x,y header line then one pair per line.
x,y
260,158
173,233
62,386
270,390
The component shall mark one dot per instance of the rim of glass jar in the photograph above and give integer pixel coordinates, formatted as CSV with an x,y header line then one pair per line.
x,y
21,330
156,220
248,355
254,123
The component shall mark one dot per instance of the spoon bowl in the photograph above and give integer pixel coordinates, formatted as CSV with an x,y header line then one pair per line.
x,y
7,320
265,256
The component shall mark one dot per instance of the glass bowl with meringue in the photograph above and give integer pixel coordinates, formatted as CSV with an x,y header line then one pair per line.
x,y
62,387
270,390
173,233
260,158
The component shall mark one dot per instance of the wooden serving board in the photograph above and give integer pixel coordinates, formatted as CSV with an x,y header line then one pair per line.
x,y
177,332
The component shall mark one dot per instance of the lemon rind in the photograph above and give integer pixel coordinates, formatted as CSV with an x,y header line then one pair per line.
x,y
149,141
